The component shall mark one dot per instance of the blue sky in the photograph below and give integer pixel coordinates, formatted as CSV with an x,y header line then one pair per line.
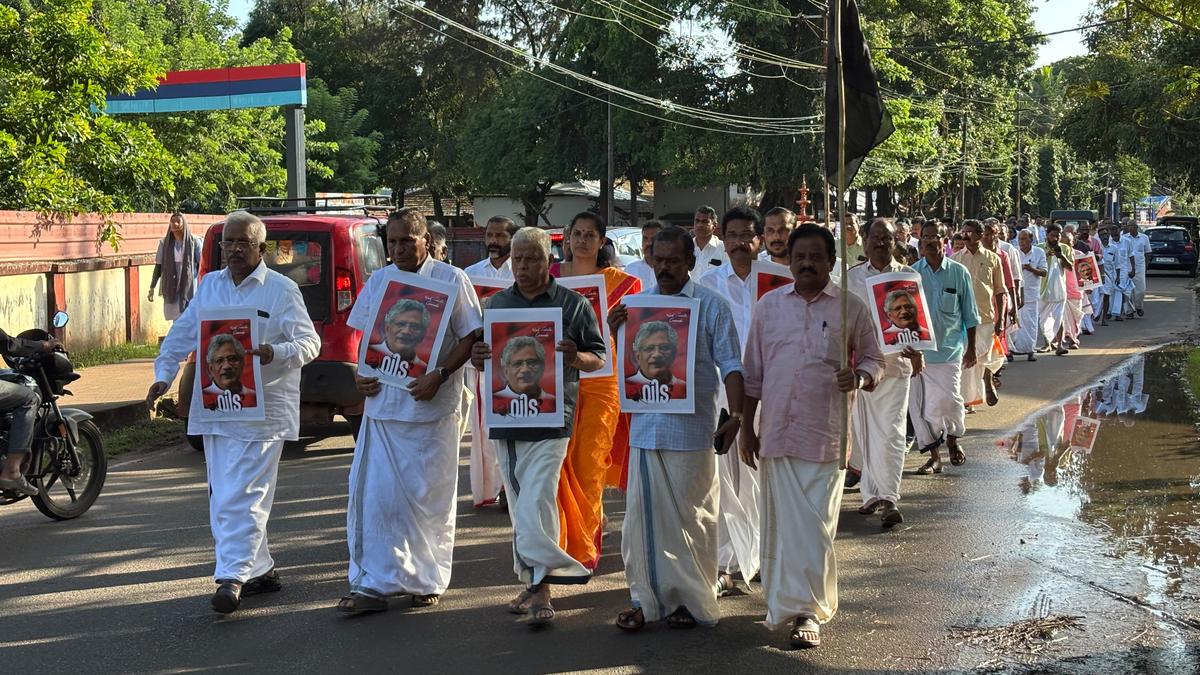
x,y
1051,15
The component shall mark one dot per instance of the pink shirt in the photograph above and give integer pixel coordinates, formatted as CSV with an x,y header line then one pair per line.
x,y
793,352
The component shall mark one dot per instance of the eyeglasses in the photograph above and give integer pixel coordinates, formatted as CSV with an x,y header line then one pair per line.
x,y
237,244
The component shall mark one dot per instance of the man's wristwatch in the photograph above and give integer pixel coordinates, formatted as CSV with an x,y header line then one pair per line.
x,y
445,373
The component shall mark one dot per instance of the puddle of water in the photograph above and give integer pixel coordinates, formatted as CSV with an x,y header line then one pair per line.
x,y
1123,457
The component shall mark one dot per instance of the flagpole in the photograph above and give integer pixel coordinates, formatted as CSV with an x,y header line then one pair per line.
x,y
841,201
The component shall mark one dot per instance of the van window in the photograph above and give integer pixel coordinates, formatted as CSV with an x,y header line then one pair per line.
x,y
304,258
371,253
1168,235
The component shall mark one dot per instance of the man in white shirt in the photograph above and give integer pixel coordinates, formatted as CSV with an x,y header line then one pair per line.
x,y
1124,273
486,485
1033,268
1115,282
641,268
1014,266
738,525
1060,259
880,415
242,457
404,476
778,224
1139,244
710,252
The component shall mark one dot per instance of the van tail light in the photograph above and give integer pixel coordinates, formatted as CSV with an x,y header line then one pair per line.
x,y
344,288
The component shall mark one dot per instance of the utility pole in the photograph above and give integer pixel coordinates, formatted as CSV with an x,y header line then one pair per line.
x,y
612,189
962,172
1019,151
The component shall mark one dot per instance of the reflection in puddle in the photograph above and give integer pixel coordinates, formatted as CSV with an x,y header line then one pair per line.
x,y
1124,456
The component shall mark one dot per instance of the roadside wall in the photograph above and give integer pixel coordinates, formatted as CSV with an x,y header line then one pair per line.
x,y
47,266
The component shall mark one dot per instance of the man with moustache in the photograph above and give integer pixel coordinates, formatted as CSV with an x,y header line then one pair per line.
x,y
778,223
641,268
788,367
1033,268
1112,291
710,252
531,459
654,350
669,537
404,327
880,413
990,291
242,457
738,526
1139,249
1053,299
404,475
523,362
486,486
225,359
935,402
854,248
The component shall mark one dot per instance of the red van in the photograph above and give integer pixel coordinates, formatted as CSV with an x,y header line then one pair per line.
x,y
330,255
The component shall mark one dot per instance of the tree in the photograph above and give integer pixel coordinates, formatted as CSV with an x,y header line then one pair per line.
x,y
352,152
58,154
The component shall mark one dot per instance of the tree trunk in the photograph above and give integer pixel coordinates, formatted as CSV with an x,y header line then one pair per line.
x,y
885,206
633,198
438,214
602,202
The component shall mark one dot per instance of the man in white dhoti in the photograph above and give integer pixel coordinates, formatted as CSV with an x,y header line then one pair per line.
x,y
486,486
1033,268
987,276
880,414
531,459
404,476
793,334
242,457
1115,278
669,537
935,402
738,526
1053,299
1139,249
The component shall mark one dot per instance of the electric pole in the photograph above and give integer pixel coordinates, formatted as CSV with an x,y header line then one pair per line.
x,y
962,172
612,188
1019,151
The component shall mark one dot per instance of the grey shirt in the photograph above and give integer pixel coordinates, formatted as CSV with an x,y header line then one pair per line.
x,y
579,326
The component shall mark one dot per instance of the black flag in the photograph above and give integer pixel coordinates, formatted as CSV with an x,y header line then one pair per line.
x,y
868,122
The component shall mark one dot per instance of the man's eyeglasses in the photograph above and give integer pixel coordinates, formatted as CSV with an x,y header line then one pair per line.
x,y
236,245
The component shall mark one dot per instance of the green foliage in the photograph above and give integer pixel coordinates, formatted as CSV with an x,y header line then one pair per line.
x,y
57,154
347,149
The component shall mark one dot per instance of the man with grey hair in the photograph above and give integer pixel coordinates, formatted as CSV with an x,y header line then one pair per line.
x,y
242,457
1139,248
531,459
404,477
654,348
522,363
225,358
437,241
404,328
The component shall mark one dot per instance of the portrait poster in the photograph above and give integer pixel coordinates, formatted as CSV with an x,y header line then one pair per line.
x,y
408,325
486,287
523,380
656,350
900,313
229,385
766,276
593,287
1087,272
1084,433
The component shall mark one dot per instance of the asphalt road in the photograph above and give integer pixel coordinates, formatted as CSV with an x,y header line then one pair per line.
x,y
125,588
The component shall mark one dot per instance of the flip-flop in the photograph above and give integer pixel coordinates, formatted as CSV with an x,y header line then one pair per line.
x,y
540,616
631,620
521,603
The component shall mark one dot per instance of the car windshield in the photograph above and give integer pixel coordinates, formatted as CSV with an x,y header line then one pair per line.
x,y
1168,235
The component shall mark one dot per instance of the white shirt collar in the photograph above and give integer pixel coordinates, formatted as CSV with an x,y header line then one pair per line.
x,y
259,274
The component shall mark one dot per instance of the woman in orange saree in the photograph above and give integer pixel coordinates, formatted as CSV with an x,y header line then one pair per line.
x,y
598,448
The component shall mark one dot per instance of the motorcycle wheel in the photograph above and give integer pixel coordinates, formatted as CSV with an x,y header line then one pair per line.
x,y
63,498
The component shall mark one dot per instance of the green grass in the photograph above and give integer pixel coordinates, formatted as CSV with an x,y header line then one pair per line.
x,y
117,353
152,434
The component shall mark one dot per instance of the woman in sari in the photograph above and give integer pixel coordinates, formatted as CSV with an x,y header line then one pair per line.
x,y
599,443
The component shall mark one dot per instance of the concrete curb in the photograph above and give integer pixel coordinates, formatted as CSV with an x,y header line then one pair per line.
x,y
116,415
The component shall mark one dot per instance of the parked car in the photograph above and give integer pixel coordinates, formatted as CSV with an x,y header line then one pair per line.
x,y
329,256
1171,248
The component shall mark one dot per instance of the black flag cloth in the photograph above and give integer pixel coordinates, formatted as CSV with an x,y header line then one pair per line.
x,y
868,122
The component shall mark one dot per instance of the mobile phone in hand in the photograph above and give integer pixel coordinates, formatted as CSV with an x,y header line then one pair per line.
x,y
718,440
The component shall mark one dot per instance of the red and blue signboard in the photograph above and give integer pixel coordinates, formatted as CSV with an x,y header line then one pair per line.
x,y
217,89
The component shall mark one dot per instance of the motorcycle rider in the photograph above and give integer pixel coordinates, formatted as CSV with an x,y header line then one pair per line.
x,y
23,401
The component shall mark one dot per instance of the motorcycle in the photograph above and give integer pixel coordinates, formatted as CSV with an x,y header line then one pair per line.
x,y
67,463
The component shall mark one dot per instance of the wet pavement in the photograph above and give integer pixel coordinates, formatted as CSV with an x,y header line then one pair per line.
x,y
1110,480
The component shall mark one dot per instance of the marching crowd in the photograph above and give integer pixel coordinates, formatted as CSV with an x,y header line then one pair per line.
x,y
763,508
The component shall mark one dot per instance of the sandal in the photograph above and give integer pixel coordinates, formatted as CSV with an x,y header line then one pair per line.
x,y
357,603
426,600
631,619
930,467
957,456
541,616
934,445
725,585
868,509
521,603
806,634
681,619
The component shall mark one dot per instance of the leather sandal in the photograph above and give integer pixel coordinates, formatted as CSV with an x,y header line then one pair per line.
x,y
540,616
631,620
521,603
421,601
930,467
806,634
359,603
681,619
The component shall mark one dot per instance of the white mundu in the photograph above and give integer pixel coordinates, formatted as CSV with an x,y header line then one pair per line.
x,y
484,469
404,476
241,457
880,415
738,536
1024,339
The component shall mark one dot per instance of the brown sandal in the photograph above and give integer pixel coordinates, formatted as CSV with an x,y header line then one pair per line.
x,y
521,603
806,634
681,619
631,619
